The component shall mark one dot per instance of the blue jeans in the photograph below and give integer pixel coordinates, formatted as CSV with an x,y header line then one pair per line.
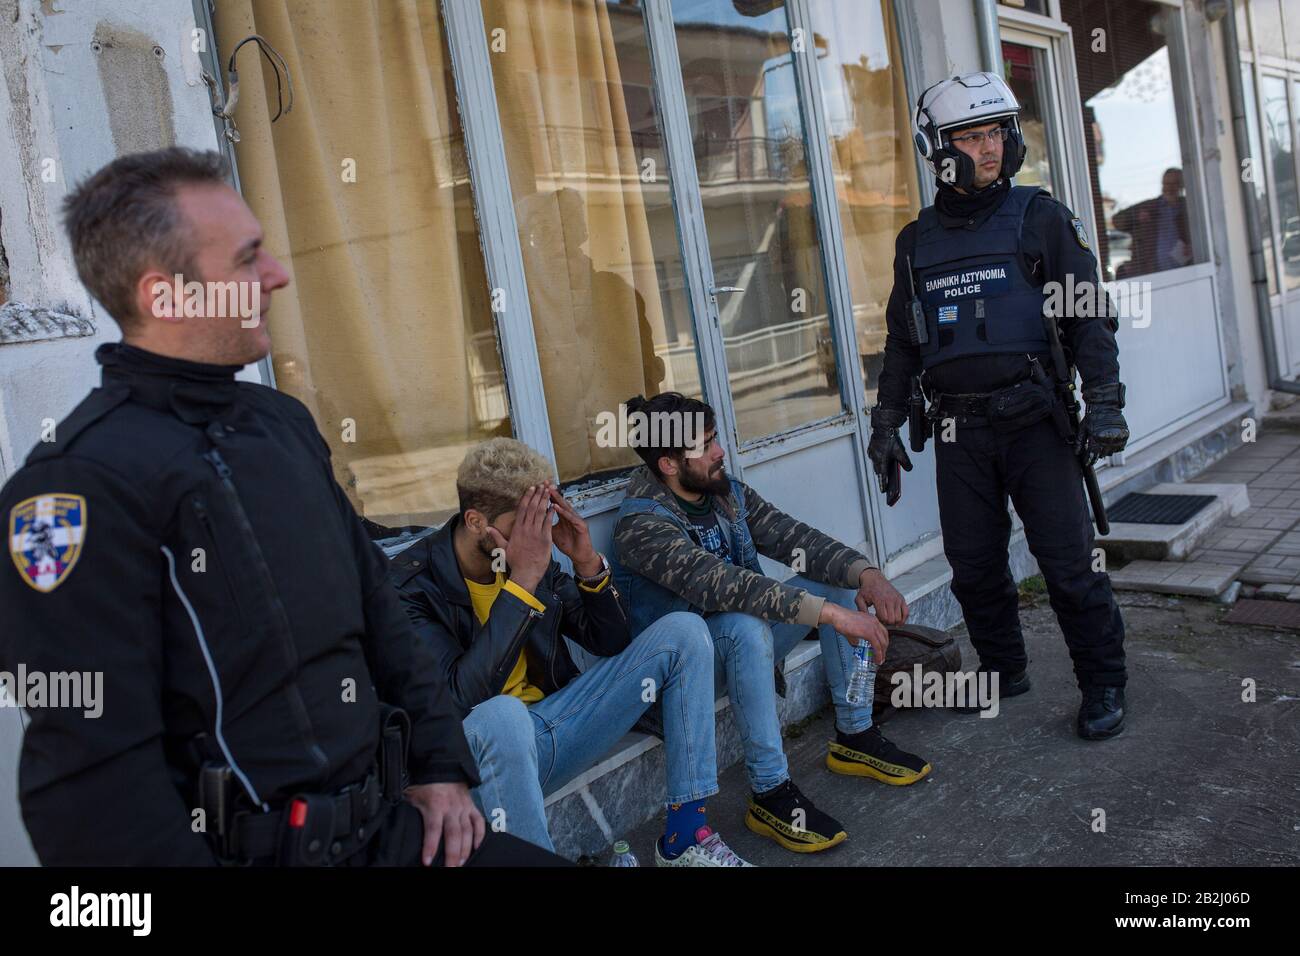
x,y
525,752
746,647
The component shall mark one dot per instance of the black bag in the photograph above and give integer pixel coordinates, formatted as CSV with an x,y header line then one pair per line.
x,y
1019,406
911,644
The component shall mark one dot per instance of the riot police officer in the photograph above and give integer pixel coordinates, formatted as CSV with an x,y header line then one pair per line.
x,y
264,699
972,353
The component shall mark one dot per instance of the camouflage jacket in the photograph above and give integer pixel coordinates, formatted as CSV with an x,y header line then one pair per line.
x,y
653,542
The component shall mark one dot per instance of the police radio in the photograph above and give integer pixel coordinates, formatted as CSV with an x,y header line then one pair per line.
x,y
917,333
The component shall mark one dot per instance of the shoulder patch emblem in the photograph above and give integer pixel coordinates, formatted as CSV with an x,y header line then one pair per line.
x,y
46,533
1079,234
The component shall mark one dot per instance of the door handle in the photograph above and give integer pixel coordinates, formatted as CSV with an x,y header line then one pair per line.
x,y
725,288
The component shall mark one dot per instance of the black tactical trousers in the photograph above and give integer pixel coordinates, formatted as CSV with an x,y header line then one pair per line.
x,y
1039,472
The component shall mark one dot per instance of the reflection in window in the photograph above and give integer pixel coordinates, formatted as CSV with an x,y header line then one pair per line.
x,y
1137,155
748,132
386,332
1278,153
1033,6
1259,178
869,123
1025,69
1270,38
590,180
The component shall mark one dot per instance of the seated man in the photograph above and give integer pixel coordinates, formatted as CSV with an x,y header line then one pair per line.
x,y
486,595
687,538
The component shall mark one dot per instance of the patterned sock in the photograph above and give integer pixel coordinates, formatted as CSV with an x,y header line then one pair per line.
x,y
684,819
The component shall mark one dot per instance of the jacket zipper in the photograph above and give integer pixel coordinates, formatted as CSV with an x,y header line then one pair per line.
x,y
504,672
260,568
205,519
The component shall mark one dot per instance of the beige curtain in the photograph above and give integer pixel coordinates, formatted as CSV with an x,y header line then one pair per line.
x,y
386,332
582,217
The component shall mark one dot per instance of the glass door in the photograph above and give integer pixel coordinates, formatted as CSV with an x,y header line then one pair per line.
x,y
1277,115
1030,68
749,138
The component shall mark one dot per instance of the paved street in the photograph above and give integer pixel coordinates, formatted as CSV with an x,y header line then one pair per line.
x,y
1199,777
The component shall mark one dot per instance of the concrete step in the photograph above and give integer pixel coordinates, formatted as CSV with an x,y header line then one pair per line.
x,y
1194,578
1168,542
626,788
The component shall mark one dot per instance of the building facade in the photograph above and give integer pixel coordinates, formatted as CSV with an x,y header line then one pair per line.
x,y
505,217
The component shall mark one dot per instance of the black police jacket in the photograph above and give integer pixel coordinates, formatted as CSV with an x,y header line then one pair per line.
x,y
185,537
476,660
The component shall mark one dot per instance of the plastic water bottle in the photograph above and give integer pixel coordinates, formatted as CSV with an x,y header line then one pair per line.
x,y
623,855
862,679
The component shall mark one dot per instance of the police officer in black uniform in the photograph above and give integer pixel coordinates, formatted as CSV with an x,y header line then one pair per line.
x,y
967,335
264,699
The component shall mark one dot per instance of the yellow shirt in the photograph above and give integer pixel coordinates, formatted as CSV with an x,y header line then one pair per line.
x,y
482,597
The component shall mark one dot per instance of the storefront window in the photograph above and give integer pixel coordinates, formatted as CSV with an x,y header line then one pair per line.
x,y
1270,37
748,132
1278,151
868,121
1259,174
386,331
1033,6
1140,156
590,181
1026,72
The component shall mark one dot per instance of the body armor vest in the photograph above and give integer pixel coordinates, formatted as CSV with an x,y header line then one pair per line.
x,y
973,287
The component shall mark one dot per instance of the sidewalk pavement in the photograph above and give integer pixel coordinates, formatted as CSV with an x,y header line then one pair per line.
x,y
1266,537
1199,776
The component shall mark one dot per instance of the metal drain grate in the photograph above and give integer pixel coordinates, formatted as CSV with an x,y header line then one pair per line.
x,y
1139,508
1265,613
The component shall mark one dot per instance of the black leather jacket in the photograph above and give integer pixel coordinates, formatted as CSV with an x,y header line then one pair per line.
x,y
477,660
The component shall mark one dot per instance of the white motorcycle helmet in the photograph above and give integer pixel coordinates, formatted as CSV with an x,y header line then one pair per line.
x,y
967,100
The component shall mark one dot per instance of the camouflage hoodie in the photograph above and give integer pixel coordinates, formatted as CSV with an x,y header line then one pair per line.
x,y
657,546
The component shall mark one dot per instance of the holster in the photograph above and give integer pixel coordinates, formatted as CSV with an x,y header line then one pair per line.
x,y
394,745
311,829
1060,413
918,421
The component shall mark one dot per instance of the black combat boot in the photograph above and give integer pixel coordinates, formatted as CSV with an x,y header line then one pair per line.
x,y
1101,714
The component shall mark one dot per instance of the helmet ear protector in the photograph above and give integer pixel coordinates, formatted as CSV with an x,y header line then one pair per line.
x,y
950,165
1013,154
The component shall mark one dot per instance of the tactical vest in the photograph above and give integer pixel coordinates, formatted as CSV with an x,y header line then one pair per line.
x,y
973,287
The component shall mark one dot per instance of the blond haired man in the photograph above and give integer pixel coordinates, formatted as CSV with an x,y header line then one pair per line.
x,y
487,596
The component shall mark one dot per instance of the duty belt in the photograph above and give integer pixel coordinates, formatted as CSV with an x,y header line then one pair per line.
x,y
964,406
311,829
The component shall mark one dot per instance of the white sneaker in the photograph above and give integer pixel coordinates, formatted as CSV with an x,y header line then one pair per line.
x,y
708,850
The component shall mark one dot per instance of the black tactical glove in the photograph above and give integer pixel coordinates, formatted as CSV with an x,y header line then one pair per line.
x,y
886,451
1104,430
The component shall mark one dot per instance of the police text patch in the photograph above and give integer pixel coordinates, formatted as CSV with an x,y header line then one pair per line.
x,y
981,281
